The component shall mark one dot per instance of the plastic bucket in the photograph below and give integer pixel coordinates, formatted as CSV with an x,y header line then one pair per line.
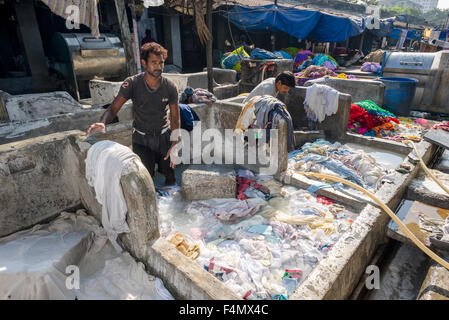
x,y
399,94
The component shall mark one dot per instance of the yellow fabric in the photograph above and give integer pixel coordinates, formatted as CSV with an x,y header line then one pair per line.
x,y
247,116
341,76
427,33
240,51
325,223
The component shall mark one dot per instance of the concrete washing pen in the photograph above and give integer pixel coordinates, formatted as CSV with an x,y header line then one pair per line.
x,y
401,225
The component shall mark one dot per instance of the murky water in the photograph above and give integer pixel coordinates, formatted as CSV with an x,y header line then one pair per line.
x,y
255,254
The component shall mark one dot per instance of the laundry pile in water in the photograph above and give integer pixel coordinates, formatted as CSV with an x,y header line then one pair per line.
x,y
261,249
337,159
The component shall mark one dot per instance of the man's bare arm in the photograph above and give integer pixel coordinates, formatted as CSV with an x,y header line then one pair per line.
x,y
108,115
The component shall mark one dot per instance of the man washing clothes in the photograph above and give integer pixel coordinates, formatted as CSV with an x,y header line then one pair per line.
x,y
273,86
155,112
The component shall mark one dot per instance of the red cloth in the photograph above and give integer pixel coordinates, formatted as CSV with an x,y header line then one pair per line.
x,y
366,120
324,200
243,184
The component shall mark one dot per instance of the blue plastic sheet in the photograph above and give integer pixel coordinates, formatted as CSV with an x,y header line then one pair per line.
x,y
296,22
411,34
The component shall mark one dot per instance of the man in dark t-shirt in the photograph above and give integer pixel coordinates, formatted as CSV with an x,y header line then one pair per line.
x,y
155,111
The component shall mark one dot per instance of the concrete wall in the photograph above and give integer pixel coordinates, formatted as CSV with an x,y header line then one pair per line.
x,y
334,126
20,130
37,181
359,89
26,107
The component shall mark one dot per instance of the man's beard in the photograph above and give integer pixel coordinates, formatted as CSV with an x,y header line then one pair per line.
x,y
155,73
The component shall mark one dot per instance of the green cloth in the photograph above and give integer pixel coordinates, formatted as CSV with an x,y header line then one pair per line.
x,y
373,108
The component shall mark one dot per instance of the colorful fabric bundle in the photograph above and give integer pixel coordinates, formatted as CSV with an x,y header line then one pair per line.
x,y
320,59
232,59
374,109
313,72
371,67
367,118
302,57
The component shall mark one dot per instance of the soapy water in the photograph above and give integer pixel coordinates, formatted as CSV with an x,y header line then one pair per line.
x,y
252,255
387,159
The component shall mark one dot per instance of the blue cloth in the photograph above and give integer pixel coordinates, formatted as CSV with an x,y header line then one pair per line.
x,y
283,55
188,115
335,166
262,54
296,22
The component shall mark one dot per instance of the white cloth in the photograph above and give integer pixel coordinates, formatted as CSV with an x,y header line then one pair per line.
x,y
104,163
152,3
321,101
33,264
445,229
266,87
224,209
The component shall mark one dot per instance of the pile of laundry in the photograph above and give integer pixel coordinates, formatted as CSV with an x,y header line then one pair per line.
x,y
315,72
262,54
306,58
247,187
337,159
265,112
231,60
271,248
197,95
369,119
371,67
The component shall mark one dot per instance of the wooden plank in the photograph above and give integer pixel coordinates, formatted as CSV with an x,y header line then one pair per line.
x,y
131,65
438,137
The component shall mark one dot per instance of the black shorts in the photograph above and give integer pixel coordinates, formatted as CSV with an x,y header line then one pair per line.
x,y
152,149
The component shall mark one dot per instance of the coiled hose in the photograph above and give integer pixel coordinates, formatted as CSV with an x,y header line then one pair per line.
x,y
401,225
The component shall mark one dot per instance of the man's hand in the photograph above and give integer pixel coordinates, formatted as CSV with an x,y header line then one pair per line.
x,y
173,154
98,126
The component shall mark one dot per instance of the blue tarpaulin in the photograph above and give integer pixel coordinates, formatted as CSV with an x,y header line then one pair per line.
x,y
298,23
411,34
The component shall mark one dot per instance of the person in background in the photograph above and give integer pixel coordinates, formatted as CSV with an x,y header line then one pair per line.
x,y
148,38
273,86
